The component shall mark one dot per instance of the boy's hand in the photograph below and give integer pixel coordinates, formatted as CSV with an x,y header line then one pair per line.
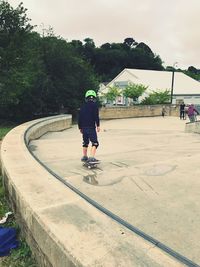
x,y
81,131
98,129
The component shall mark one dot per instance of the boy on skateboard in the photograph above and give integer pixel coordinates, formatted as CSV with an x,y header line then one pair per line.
x,y
89,125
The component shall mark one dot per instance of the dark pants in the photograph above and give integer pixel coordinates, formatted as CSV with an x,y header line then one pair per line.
x,y
89,135
182,114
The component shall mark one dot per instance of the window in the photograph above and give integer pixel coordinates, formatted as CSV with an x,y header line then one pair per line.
x,y
121,84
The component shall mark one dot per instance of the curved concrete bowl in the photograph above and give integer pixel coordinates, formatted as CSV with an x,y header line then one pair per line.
x,y
63,229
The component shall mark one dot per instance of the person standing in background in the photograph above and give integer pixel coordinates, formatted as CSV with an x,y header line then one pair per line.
x,y
163,111
182,111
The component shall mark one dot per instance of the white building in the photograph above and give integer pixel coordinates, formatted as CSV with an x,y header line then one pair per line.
x,y
184,87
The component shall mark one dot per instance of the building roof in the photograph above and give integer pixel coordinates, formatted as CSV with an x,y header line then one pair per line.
x,y
159,80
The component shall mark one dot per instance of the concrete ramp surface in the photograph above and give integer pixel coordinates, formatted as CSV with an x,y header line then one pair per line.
x,y
149,175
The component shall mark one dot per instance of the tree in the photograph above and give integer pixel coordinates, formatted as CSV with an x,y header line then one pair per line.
x,y
14,28
113,93
130,42
39,74
145,48
109,62
193,73
89,50
78,47
15,78
89,43
193,70
134,91
157,97
106,46
110,59
69,73
13,20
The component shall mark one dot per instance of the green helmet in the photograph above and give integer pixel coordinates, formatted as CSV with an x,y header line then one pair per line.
x,y
90,93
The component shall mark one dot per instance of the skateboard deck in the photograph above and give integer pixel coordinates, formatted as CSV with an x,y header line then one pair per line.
x,y
91,165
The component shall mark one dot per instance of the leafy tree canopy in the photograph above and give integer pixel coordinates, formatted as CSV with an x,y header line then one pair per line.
x,y
113,93
157,97
13,20
134,91
129,41
38,74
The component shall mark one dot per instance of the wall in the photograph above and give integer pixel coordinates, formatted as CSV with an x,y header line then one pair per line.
x,y
137,111
28,188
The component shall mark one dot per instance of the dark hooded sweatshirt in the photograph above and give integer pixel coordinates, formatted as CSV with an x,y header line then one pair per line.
x,y
88,115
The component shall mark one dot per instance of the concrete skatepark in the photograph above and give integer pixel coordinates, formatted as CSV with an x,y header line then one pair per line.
x,y
148,177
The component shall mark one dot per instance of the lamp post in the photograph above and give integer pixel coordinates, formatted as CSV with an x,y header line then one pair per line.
x,y
172,86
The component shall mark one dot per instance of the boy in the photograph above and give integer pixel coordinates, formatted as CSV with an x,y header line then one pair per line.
x,y
89,125
192,112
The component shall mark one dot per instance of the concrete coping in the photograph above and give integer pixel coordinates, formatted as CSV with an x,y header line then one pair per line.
x,y
62,228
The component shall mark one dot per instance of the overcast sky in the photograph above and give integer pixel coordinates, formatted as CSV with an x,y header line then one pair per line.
x,y
169,27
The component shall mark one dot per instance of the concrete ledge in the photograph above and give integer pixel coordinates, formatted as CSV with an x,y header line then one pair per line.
x,y
51,124
138,111
62,229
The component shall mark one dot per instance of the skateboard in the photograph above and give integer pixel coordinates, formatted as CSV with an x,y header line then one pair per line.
x,y
91,165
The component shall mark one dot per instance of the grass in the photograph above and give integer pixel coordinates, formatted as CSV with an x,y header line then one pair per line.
x,y
20,257
5,127
4,131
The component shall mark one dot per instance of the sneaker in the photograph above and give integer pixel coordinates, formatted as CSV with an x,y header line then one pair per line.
x,y
91,159
84,158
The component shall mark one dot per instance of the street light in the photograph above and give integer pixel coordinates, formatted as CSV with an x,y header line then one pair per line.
x,y
172,86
